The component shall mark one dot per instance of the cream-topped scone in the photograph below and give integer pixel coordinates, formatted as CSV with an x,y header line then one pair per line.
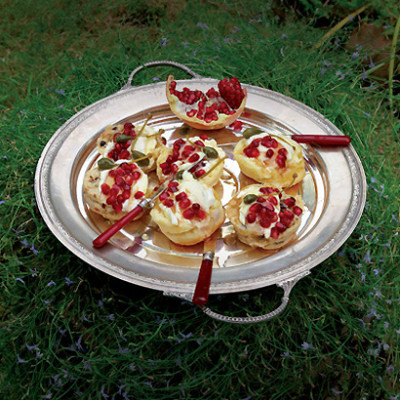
x,y
270,158
129,142
264,217
189,211
113,192
187,151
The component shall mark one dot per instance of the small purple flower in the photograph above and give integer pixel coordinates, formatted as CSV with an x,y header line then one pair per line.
x,y
285,354
367,114
25,243
20,280
30,348
323,70
123,351
87,365
362,276
111,317
104,395
202,25
371,63
307,346
61,106
281,52
20,360
394,218
68,281
163,42
367,257
156,79
336,392
2,201
61,91
51,283
355,55
284,35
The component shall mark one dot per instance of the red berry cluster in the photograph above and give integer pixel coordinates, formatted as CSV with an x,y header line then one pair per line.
x,y
263,211
120,152
189,210
253,150
124,177
182,151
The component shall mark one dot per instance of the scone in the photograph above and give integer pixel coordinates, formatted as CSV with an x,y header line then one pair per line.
x,y
129,142
114,192
264,216
188,212
271,158
185,152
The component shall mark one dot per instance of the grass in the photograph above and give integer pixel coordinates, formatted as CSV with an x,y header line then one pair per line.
x,y
70,331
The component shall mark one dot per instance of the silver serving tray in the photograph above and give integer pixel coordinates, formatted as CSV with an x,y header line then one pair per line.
x,y
334,192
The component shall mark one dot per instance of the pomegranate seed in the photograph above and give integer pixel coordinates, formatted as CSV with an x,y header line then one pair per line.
x,y
269,153
269,207
174,168
105,189
166,170
188,213
128,126
173,184
172,189
112,173
169,160
111,200
114,190
119,171
164,195
266,190
290,202
124,155
261,199
203,136
120,198
136,175
201,214
282,151
280,161
236,126
274,233
289,214
126,194
199,173
129,180
255,208
194,157
196,206
273,200
191,113
251,217
184,203
274,143
139,194
181,196
265,223
168,203
119,181
199,143
117,207
186,153
280,227
297,210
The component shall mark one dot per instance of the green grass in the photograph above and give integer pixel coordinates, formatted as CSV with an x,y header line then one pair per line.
x,y
70,331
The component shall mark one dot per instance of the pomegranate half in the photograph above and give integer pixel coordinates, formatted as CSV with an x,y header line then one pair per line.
x,y
214,109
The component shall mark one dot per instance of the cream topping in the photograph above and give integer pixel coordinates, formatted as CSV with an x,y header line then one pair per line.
x,y
244,209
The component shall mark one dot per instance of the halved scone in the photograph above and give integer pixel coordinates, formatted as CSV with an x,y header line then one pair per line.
x,y
187,151
264,216
273,159
188,212
114,192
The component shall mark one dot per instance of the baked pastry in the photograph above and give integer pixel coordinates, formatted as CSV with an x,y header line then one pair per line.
x,y
264,216
270,158
129,142
189,211
112,190
187,151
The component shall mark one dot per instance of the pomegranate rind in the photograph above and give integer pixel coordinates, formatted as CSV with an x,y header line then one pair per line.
x,y
266,171
96,200
245,235
189,232
223,119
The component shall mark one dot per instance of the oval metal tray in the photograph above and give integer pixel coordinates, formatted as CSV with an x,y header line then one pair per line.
x,y
334,192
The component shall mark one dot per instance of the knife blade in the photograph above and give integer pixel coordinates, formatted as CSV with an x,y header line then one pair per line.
x,y
202,289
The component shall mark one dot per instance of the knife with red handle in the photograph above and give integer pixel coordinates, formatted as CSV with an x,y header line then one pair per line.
x,y
104,237
323,140
202,289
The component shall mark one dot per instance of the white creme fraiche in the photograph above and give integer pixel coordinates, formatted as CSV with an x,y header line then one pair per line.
x,y
255,227
291,154
196,193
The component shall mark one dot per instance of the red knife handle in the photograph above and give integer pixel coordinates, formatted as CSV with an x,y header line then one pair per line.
x,y
323,140
103,238
200,296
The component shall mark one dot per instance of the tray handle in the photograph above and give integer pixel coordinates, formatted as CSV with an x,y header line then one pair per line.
x,y
157,63
287,287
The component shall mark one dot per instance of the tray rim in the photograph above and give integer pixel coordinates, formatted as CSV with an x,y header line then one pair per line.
x,y
307,264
